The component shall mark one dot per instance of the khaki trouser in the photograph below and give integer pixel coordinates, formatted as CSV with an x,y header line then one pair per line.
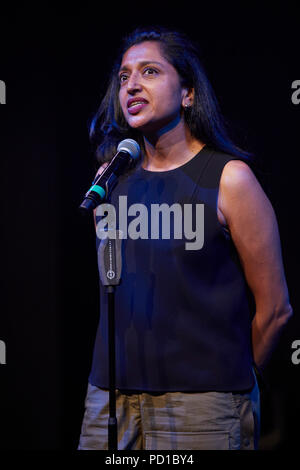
x,y
173,420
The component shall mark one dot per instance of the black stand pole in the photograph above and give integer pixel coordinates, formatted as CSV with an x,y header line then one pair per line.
x,y
112,421
110,267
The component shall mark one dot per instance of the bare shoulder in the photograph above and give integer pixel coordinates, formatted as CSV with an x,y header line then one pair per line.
x,y
241,194
238,179
237,173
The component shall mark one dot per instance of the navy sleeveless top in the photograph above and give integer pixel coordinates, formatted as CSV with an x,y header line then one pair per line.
x,y
183,309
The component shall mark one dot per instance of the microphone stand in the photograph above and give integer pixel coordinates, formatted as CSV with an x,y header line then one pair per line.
x,y
112,420
110,262
110,266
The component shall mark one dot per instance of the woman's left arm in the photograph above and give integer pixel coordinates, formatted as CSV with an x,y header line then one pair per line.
x,y
252,223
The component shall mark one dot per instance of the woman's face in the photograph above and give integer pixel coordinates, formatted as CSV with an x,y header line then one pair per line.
x,y
151,96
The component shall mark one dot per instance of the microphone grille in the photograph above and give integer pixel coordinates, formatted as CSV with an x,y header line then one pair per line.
x,y
130,146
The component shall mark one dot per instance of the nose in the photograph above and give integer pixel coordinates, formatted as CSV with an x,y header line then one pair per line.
x,y
133,84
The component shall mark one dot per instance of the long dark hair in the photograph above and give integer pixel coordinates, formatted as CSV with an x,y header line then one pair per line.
x,y
204,119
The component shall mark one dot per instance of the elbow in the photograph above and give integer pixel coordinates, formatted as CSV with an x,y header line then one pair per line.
x,y
284,314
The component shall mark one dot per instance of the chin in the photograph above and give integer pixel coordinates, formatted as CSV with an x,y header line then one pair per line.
x,y
141,125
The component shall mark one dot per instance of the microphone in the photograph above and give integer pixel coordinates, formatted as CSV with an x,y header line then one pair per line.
x,y
128,151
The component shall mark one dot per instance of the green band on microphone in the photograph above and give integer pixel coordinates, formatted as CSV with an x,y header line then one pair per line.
x,y
98,190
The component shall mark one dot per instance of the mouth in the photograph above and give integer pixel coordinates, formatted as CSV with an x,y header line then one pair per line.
x,y
135,105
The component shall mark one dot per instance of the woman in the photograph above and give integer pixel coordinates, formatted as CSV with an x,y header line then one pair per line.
x,y
192,320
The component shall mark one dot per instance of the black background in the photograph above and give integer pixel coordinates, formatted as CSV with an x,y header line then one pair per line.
x,y
55,63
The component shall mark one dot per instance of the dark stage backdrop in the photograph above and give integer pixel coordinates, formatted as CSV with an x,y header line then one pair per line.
x,y
54,67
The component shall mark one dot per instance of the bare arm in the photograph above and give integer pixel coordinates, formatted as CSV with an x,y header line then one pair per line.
x,y
253,227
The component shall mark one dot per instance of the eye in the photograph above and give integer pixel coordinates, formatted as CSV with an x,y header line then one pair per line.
x,y
150,71
123,77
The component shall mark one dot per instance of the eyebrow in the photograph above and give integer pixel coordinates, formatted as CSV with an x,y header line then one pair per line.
x,y
141,64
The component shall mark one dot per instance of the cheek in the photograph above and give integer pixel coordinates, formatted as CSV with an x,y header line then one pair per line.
x,y
170,96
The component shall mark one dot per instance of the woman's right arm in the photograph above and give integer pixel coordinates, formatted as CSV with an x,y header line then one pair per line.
x,y
101,169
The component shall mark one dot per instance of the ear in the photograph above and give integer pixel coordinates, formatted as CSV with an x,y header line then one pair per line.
x,y
187,97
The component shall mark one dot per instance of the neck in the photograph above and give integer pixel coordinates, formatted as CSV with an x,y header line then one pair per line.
x,y
171,148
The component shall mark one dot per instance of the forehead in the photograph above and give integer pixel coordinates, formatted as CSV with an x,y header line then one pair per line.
x,y
148,51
